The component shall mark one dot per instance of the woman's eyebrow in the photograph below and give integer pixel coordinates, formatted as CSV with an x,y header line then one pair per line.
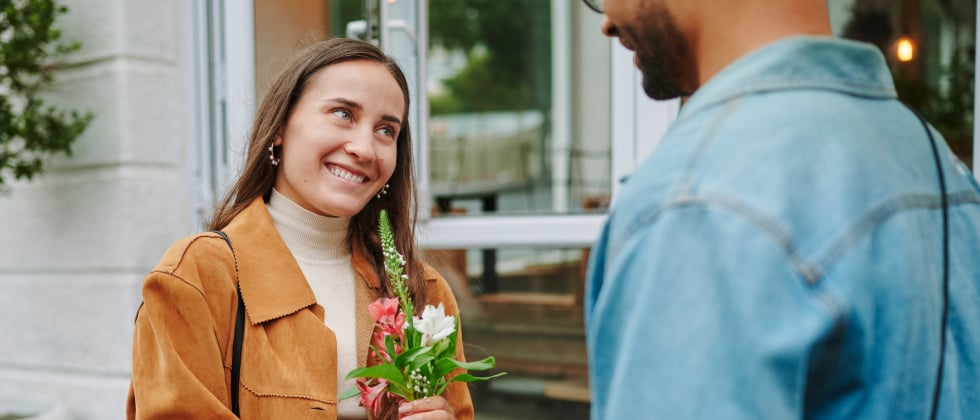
x,y
347,102
391,118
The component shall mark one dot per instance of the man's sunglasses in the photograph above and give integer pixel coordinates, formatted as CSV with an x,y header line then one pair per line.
x,y
594,5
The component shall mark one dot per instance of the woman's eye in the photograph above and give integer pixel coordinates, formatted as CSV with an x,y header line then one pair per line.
x,y
386,131
343,114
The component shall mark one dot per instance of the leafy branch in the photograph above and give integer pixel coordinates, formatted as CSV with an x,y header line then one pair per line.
x,y
30,48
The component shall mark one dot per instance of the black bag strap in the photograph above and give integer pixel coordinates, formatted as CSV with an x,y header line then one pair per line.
x,y
236,360
937,390
236,357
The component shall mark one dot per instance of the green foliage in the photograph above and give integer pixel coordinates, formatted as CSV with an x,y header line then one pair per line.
x,y
31,131
950,110
508,49
343,11
478,87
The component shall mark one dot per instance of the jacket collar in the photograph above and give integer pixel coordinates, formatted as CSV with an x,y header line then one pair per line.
x,y
800,62
270,280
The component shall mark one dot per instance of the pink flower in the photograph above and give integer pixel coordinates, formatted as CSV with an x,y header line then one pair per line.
x,y
378,341
371,395
389,318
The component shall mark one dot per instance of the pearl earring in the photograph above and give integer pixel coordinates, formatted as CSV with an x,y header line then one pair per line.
x,y
384,190
272,155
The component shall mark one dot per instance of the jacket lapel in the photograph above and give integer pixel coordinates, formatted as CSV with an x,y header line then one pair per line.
x,y
272,284
270,280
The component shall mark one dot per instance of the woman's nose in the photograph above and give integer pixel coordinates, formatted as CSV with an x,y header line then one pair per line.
x,y
361,146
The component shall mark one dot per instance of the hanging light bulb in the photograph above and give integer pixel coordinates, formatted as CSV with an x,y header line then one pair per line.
x,y
905,49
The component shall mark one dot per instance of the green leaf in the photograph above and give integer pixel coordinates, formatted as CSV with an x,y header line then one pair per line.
x,y
384,371
443,367
353,392
413,338
441,348
484,364
420,361
466,377
400,390
408,356
452,337
390,347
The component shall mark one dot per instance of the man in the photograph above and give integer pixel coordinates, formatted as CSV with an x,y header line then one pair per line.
x,y
781,253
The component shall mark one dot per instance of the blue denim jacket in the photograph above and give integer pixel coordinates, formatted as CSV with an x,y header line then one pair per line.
x,y
779,255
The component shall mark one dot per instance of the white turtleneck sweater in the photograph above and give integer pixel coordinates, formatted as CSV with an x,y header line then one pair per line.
x,y
319,244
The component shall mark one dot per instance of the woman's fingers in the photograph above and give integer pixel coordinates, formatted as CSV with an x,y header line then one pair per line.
x,y
432,408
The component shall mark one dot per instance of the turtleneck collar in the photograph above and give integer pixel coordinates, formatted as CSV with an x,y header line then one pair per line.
x,y
309,236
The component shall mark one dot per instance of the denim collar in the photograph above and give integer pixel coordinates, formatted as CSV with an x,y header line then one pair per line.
x,y
800,62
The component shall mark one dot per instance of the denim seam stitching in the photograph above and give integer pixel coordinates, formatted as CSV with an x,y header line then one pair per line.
x,y
877,216
831,307
756,88
864,91
685,186
768,225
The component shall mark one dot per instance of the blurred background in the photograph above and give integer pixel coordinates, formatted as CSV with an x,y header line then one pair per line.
x,y
525,120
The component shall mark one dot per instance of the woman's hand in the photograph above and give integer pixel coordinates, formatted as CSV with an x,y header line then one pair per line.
x,y
432,408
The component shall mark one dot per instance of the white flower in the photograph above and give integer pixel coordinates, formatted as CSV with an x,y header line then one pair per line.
x,y
434,324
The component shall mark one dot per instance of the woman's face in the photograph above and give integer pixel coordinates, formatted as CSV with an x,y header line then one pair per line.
x,y
339,143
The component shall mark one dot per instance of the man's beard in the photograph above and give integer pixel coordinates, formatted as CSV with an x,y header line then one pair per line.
x,y
666,67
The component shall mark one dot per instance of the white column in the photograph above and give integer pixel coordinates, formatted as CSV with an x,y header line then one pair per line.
x,y
561,109
197,90
239,82
421,128
624,96
639,123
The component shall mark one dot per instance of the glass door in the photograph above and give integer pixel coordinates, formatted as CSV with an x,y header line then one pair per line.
x,y
529,118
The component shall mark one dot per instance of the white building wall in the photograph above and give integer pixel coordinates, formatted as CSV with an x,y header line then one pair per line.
x,y
76,242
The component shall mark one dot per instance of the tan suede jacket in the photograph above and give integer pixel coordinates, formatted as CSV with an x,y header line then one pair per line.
x,y
182,345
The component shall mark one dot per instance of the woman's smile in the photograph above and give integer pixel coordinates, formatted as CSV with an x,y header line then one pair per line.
x,y
346,175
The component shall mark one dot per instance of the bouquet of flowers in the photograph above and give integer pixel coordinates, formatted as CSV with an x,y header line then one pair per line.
x,y
413,355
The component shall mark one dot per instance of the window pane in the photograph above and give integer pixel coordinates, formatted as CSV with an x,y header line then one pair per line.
x,y
930,47
498,142
342,12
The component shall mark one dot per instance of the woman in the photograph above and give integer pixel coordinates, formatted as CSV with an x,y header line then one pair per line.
x,y
330,148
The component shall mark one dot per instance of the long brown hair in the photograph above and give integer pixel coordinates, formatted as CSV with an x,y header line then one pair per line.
x,y
259,176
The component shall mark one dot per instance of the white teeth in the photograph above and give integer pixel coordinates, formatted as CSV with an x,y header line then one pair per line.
x,y
346,175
